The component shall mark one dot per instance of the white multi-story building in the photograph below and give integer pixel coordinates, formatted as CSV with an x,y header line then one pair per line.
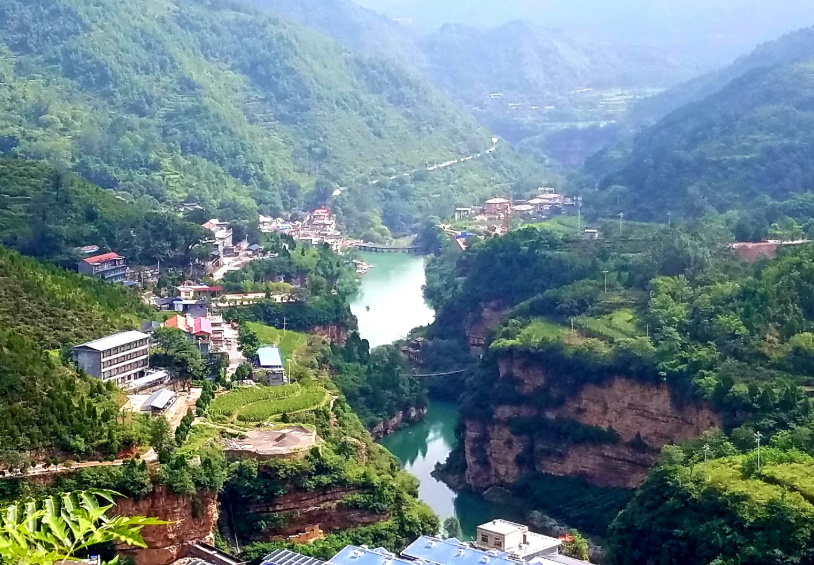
x,y
122,358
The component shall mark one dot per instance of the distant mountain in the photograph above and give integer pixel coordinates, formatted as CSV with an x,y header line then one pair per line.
x,y
217,103
798,45
351,25
525,61
740,148
714,32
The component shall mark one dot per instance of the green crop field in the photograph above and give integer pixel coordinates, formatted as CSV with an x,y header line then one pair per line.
x,y
292,344
260,404
621,324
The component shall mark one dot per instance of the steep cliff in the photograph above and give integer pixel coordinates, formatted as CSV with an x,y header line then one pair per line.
x,y
191,519
296,512
608,433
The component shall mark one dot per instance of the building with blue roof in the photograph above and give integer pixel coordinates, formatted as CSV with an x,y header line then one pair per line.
x,y
270,364
353,555
454,552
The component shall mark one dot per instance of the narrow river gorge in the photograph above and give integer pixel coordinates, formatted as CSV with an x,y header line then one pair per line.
x,y
390,304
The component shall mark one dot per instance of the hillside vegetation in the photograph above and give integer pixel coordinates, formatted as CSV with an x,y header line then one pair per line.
x,y
791,47
740,148
211,102
53,307
48,213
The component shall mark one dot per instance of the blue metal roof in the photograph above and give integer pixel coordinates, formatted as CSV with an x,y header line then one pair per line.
x,y
286,557
453,552
353,555
269,356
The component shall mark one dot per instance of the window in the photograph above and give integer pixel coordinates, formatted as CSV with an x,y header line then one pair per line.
x,y
484,538
497,543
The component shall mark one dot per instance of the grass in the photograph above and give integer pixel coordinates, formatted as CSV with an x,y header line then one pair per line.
x,y
293,345
537,331
621,324
200,435
262,404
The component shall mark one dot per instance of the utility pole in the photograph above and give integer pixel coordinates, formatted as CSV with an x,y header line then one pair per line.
x,y
706,452
579,215
669,219
605,272
758,437
621,220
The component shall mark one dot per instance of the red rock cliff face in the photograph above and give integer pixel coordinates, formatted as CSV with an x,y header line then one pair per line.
x,y
191,521
629,407
334,334
321,508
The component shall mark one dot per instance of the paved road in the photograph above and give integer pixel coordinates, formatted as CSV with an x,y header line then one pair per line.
x,y
38,471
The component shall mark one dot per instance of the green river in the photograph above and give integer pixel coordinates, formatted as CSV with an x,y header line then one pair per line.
x,y
392,291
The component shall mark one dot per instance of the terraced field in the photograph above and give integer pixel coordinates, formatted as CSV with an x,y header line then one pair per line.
x,y
262,404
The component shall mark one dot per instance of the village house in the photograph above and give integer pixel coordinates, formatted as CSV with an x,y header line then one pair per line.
x,y
269,364
198,329
221,237
189,291
496,207
110,267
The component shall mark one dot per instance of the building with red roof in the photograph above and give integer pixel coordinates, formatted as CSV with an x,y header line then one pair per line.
x,y
110,267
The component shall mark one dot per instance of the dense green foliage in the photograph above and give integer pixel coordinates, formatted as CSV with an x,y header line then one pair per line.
x,y
376,384
308,271
742,147
54,307
213,102
44,404
723,511
679,308
48,213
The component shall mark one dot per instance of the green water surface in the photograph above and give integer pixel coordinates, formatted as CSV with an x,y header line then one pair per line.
x,y
393,291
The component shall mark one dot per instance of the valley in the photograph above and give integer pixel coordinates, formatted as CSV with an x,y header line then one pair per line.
x,y
294,283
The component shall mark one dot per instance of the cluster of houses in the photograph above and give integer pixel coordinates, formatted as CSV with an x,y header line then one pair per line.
x,y
317,227
543,204
498,542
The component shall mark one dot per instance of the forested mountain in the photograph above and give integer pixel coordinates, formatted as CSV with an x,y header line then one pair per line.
x,y
49,213
211,102
744,146
358,28
798,45
523,61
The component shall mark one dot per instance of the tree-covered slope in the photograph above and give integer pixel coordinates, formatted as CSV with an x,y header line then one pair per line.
x,y
209,101
798,45
750,141
54,307
352,25
48,213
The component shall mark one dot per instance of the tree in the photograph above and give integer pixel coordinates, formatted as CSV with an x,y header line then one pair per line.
x,y
161,436
177,352
249,342
58,528
452,527
576,546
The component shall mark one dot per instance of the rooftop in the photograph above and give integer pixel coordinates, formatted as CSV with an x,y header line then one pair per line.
x,y
353,555
96,259
286,557
269,356
497,201
159,400
453,552
114,340
503,527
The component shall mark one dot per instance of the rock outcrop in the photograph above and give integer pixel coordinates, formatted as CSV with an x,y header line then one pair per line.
x,y
644,416
192,519
401,419
303,510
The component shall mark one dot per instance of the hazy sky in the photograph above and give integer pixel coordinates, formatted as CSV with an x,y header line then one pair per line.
x,y
729,26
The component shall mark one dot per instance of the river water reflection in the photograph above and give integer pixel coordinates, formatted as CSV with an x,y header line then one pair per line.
x,y
392,290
